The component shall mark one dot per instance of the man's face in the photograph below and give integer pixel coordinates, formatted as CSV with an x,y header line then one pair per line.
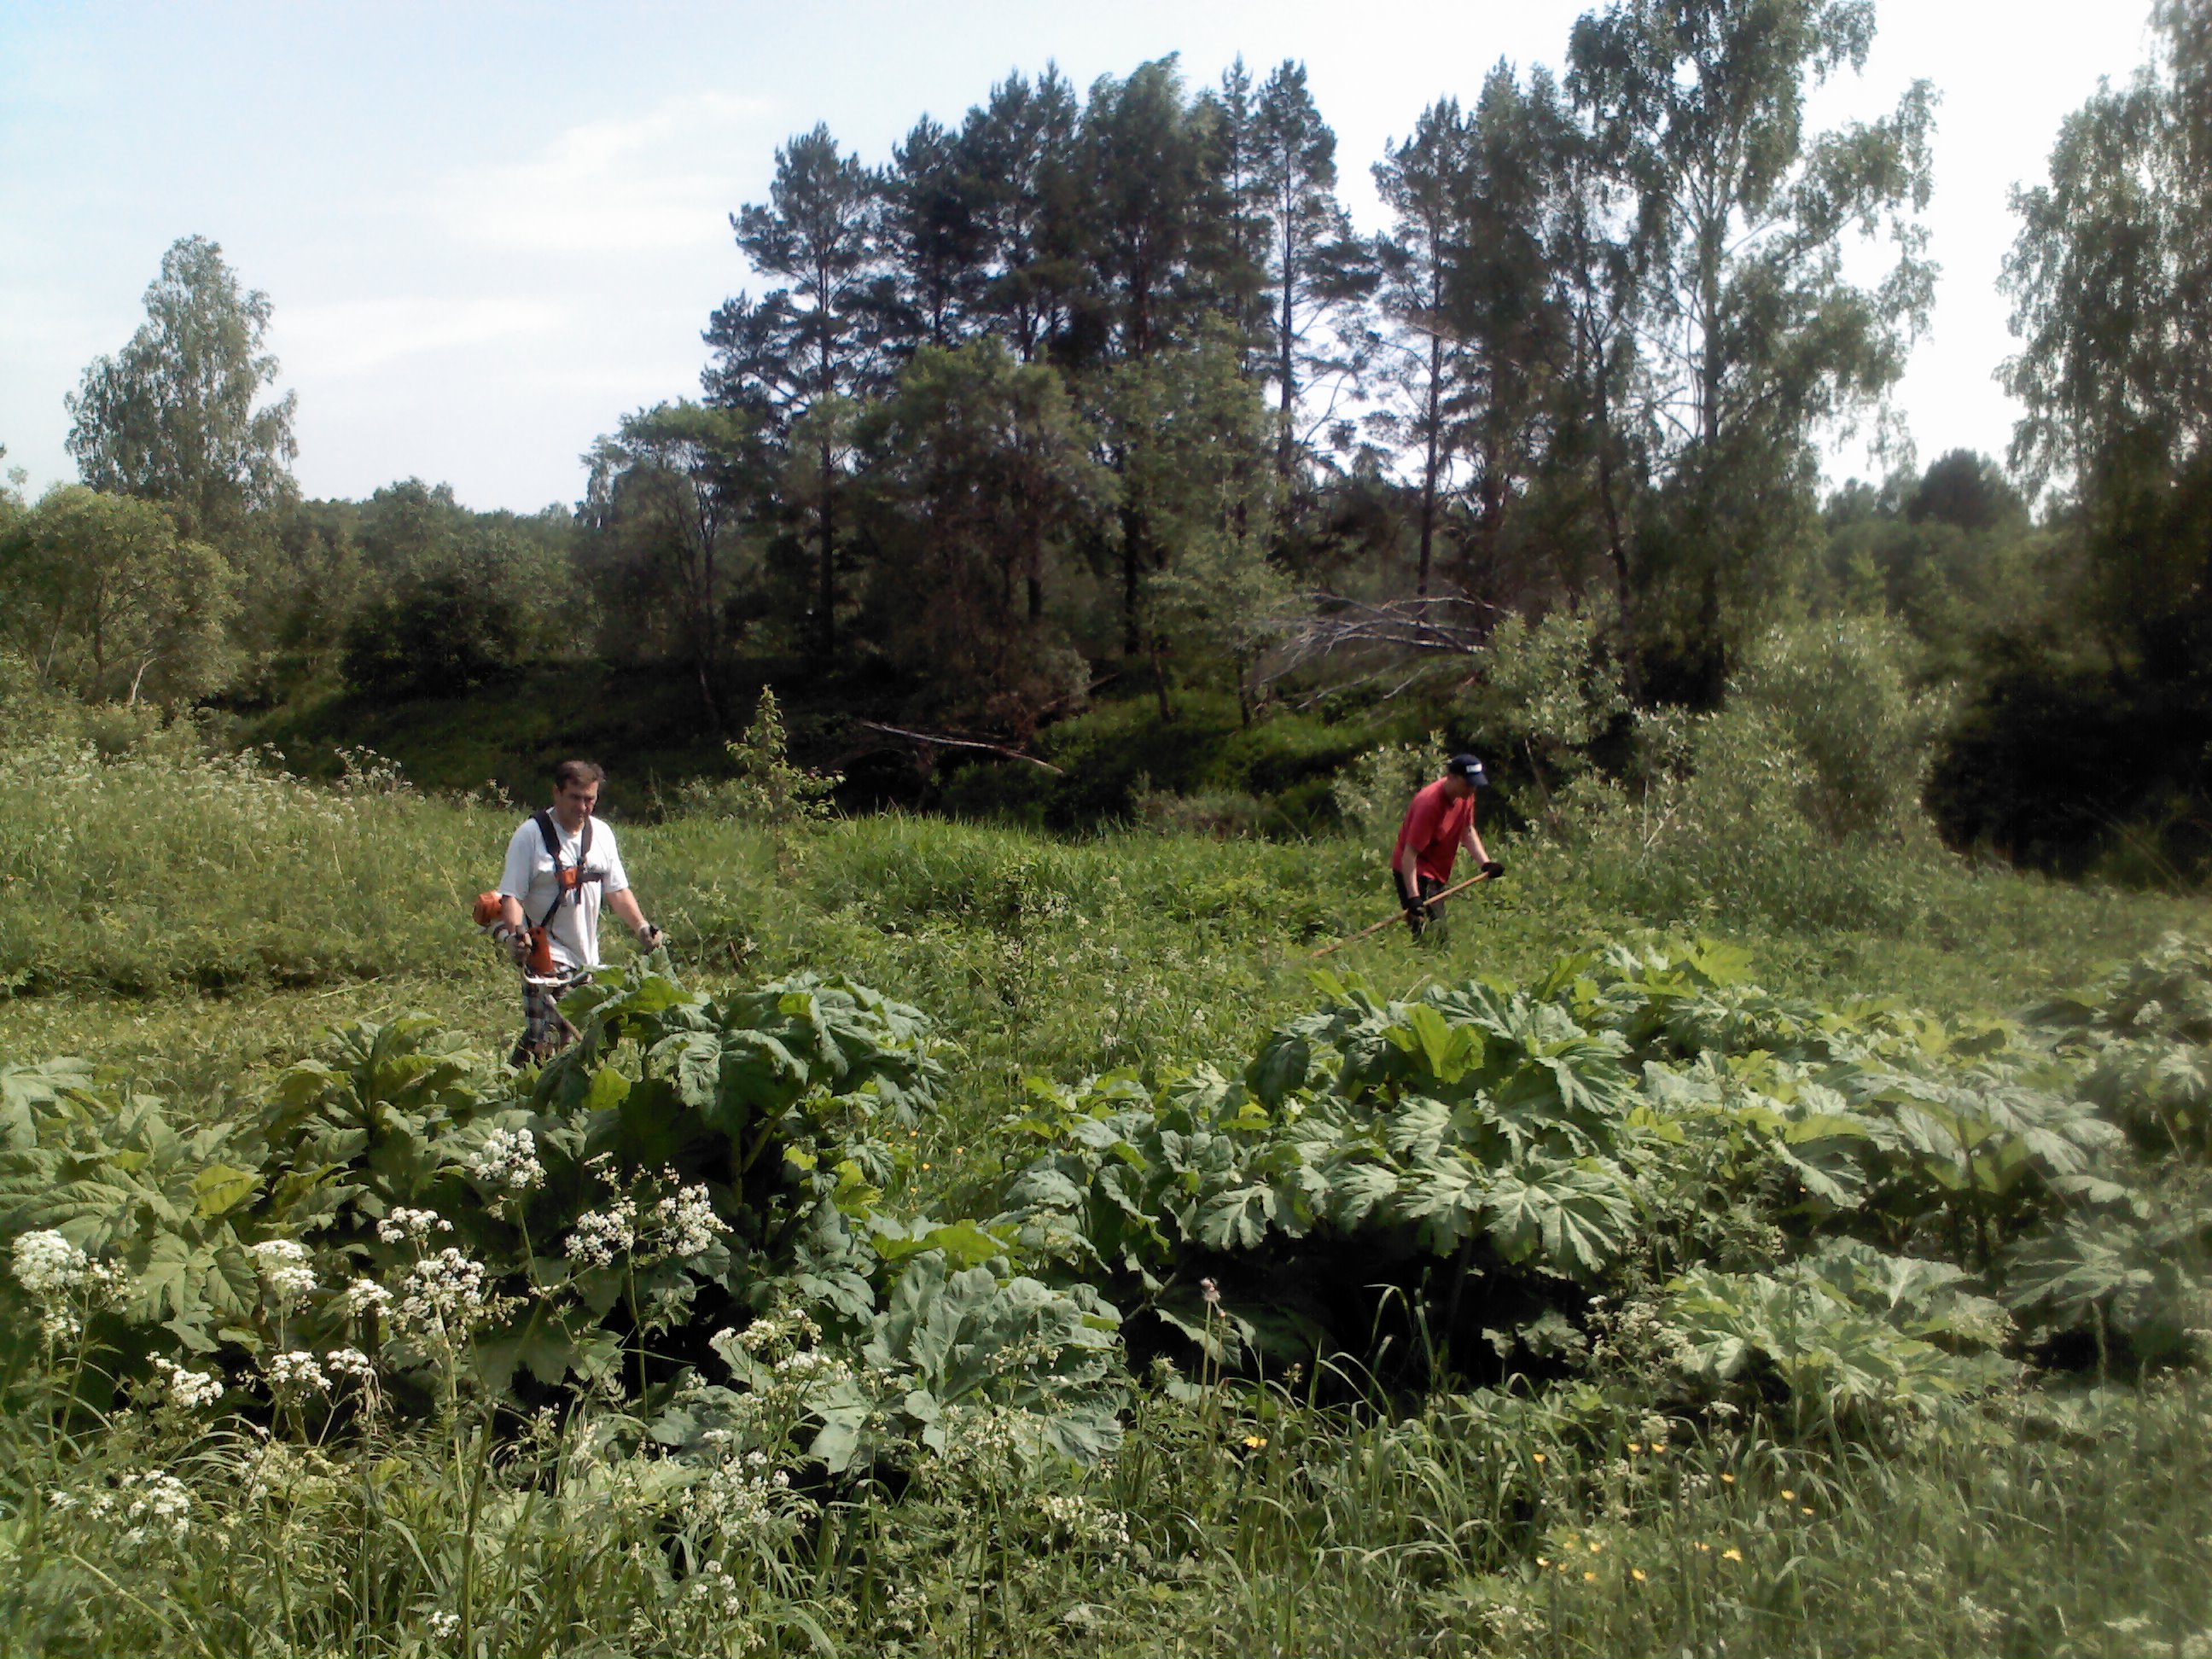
x,y
1457,787
575,802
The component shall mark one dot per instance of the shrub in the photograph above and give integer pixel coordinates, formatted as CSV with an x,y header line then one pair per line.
x,y
1836,693
1371,794
767,787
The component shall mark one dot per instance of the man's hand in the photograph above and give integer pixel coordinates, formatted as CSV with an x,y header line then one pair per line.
x,y
517,940
1416,909
1492,869
649,939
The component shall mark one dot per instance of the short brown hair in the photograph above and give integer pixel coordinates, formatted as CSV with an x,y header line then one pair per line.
x,y
570,773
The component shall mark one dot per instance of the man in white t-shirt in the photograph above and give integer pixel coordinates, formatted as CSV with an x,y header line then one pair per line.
x,y
561,864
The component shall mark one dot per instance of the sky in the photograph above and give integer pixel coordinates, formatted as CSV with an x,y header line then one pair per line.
x,y
488,231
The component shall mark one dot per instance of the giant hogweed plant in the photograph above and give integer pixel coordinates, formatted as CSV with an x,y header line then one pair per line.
x,y
616,1221
1636,1157
1510,1158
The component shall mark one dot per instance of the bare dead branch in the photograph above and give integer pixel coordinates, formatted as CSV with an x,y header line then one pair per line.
x,y
944,740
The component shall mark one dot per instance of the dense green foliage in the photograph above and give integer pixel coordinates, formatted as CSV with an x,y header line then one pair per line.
x,y
800,1319
1097,393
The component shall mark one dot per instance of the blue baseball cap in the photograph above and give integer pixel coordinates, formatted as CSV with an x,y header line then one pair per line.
x,y
1468,767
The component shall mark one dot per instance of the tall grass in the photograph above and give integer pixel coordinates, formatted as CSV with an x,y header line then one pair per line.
x,y
1236,1519
160,874
193,918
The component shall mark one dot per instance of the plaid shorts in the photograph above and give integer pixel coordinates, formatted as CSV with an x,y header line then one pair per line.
x,y
545,1030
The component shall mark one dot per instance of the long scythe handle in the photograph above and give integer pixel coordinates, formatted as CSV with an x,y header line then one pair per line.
x,y
1354,939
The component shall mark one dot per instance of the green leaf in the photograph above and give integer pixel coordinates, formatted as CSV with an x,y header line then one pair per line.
x,y
222,1188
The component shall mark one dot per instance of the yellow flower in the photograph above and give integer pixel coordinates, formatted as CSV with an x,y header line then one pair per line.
x,y
1570,1546
1255,1441
1805,1511
1596,1546
1731,1554
1704,1549
1589,1578
1728,1480
1634,1446
1543,1560
1637,1573
1788,1495
1539,1457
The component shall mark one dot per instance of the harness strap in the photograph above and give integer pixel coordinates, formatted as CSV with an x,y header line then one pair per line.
x,y
569,879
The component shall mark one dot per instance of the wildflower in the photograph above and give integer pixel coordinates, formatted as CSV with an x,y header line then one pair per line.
x,y
442,1290
283,1263
159,1505
442,1627
1539,1457
782,1329
742,1499
601,1235
297,1370
47,1265
1255,1442
1589,1578
1080,1521
1209,1292
404,1225
1543,1560
508,1158
1705,1548
366,1295
1788,1495
1806,1511
351,1362
1634,1446
689,1220
1728,1480
1731,1553
1637,1573
187,1390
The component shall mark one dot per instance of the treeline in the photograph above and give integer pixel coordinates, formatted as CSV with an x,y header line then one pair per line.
x,y
1101,392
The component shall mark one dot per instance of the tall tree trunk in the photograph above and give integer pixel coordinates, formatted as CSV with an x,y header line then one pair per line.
x,y
828,596
1132,537
1431,465
1616,544
1285,446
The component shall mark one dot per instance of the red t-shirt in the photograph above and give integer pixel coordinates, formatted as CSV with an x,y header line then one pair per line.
x,y
1435,825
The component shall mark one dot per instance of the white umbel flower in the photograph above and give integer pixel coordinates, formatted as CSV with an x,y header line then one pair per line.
x,y
508,1159
445,1292
187,1390
157,1506
366,1295
404,1225
47,1265
688,1221
283,1263
601,1234
297,1370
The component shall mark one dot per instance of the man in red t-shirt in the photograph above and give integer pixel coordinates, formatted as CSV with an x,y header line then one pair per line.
x,y
1439,823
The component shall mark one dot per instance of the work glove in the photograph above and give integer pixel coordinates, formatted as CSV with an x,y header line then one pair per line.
x,y
650,938
1416,910
1492,869
516,939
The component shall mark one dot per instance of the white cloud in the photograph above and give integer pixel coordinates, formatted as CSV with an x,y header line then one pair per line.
x,y
355,336
610,187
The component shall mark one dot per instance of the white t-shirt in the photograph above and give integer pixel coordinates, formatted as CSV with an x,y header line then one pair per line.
x,y
530,877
